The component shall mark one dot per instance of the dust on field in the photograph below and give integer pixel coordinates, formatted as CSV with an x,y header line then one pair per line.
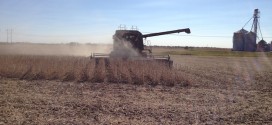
x,y
53,49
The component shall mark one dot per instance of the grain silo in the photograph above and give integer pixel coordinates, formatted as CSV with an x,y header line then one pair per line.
x,y
239,40
271,46
250,42
263,46
244,40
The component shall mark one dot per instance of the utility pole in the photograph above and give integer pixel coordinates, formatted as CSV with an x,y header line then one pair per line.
x,y
11,35
7,35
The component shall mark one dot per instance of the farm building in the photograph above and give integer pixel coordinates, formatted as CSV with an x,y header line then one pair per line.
x,y
244,40
262,46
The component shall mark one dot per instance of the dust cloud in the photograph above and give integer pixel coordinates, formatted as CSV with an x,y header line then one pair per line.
x,y
123,48
54,49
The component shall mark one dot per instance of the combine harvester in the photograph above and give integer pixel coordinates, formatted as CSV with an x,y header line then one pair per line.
x,y
129,45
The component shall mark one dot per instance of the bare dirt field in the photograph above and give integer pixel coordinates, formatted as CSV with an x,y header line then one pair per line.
x,y
199,90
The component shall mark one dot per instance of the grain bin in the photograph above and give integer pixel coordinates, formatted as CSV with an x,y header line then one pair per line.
x,y
271,46
239,39
262,46
250,42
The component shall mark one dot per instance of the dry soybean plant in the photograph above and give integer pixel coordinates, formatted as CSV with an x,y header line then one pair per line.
x,y
83,69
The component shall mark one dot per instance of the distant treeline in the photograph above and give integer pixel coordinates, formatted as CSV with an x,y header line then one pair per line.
x,y
110,44
190,47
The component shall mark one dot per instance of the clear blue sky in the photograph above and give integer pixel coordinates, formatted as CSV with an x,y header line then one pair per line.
x,y
62,21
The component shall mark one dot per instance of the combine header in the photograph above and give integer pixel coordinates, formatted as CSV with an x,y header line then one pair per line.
x,y
129,45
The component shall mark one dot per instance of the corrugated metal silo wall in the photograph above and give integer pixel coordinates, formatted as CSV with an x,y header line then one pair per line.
x,y
271,46
250,42
238,42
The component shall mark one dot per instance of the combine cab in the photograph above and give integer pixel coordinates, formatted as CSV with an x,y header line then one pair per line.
x,y
129,45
